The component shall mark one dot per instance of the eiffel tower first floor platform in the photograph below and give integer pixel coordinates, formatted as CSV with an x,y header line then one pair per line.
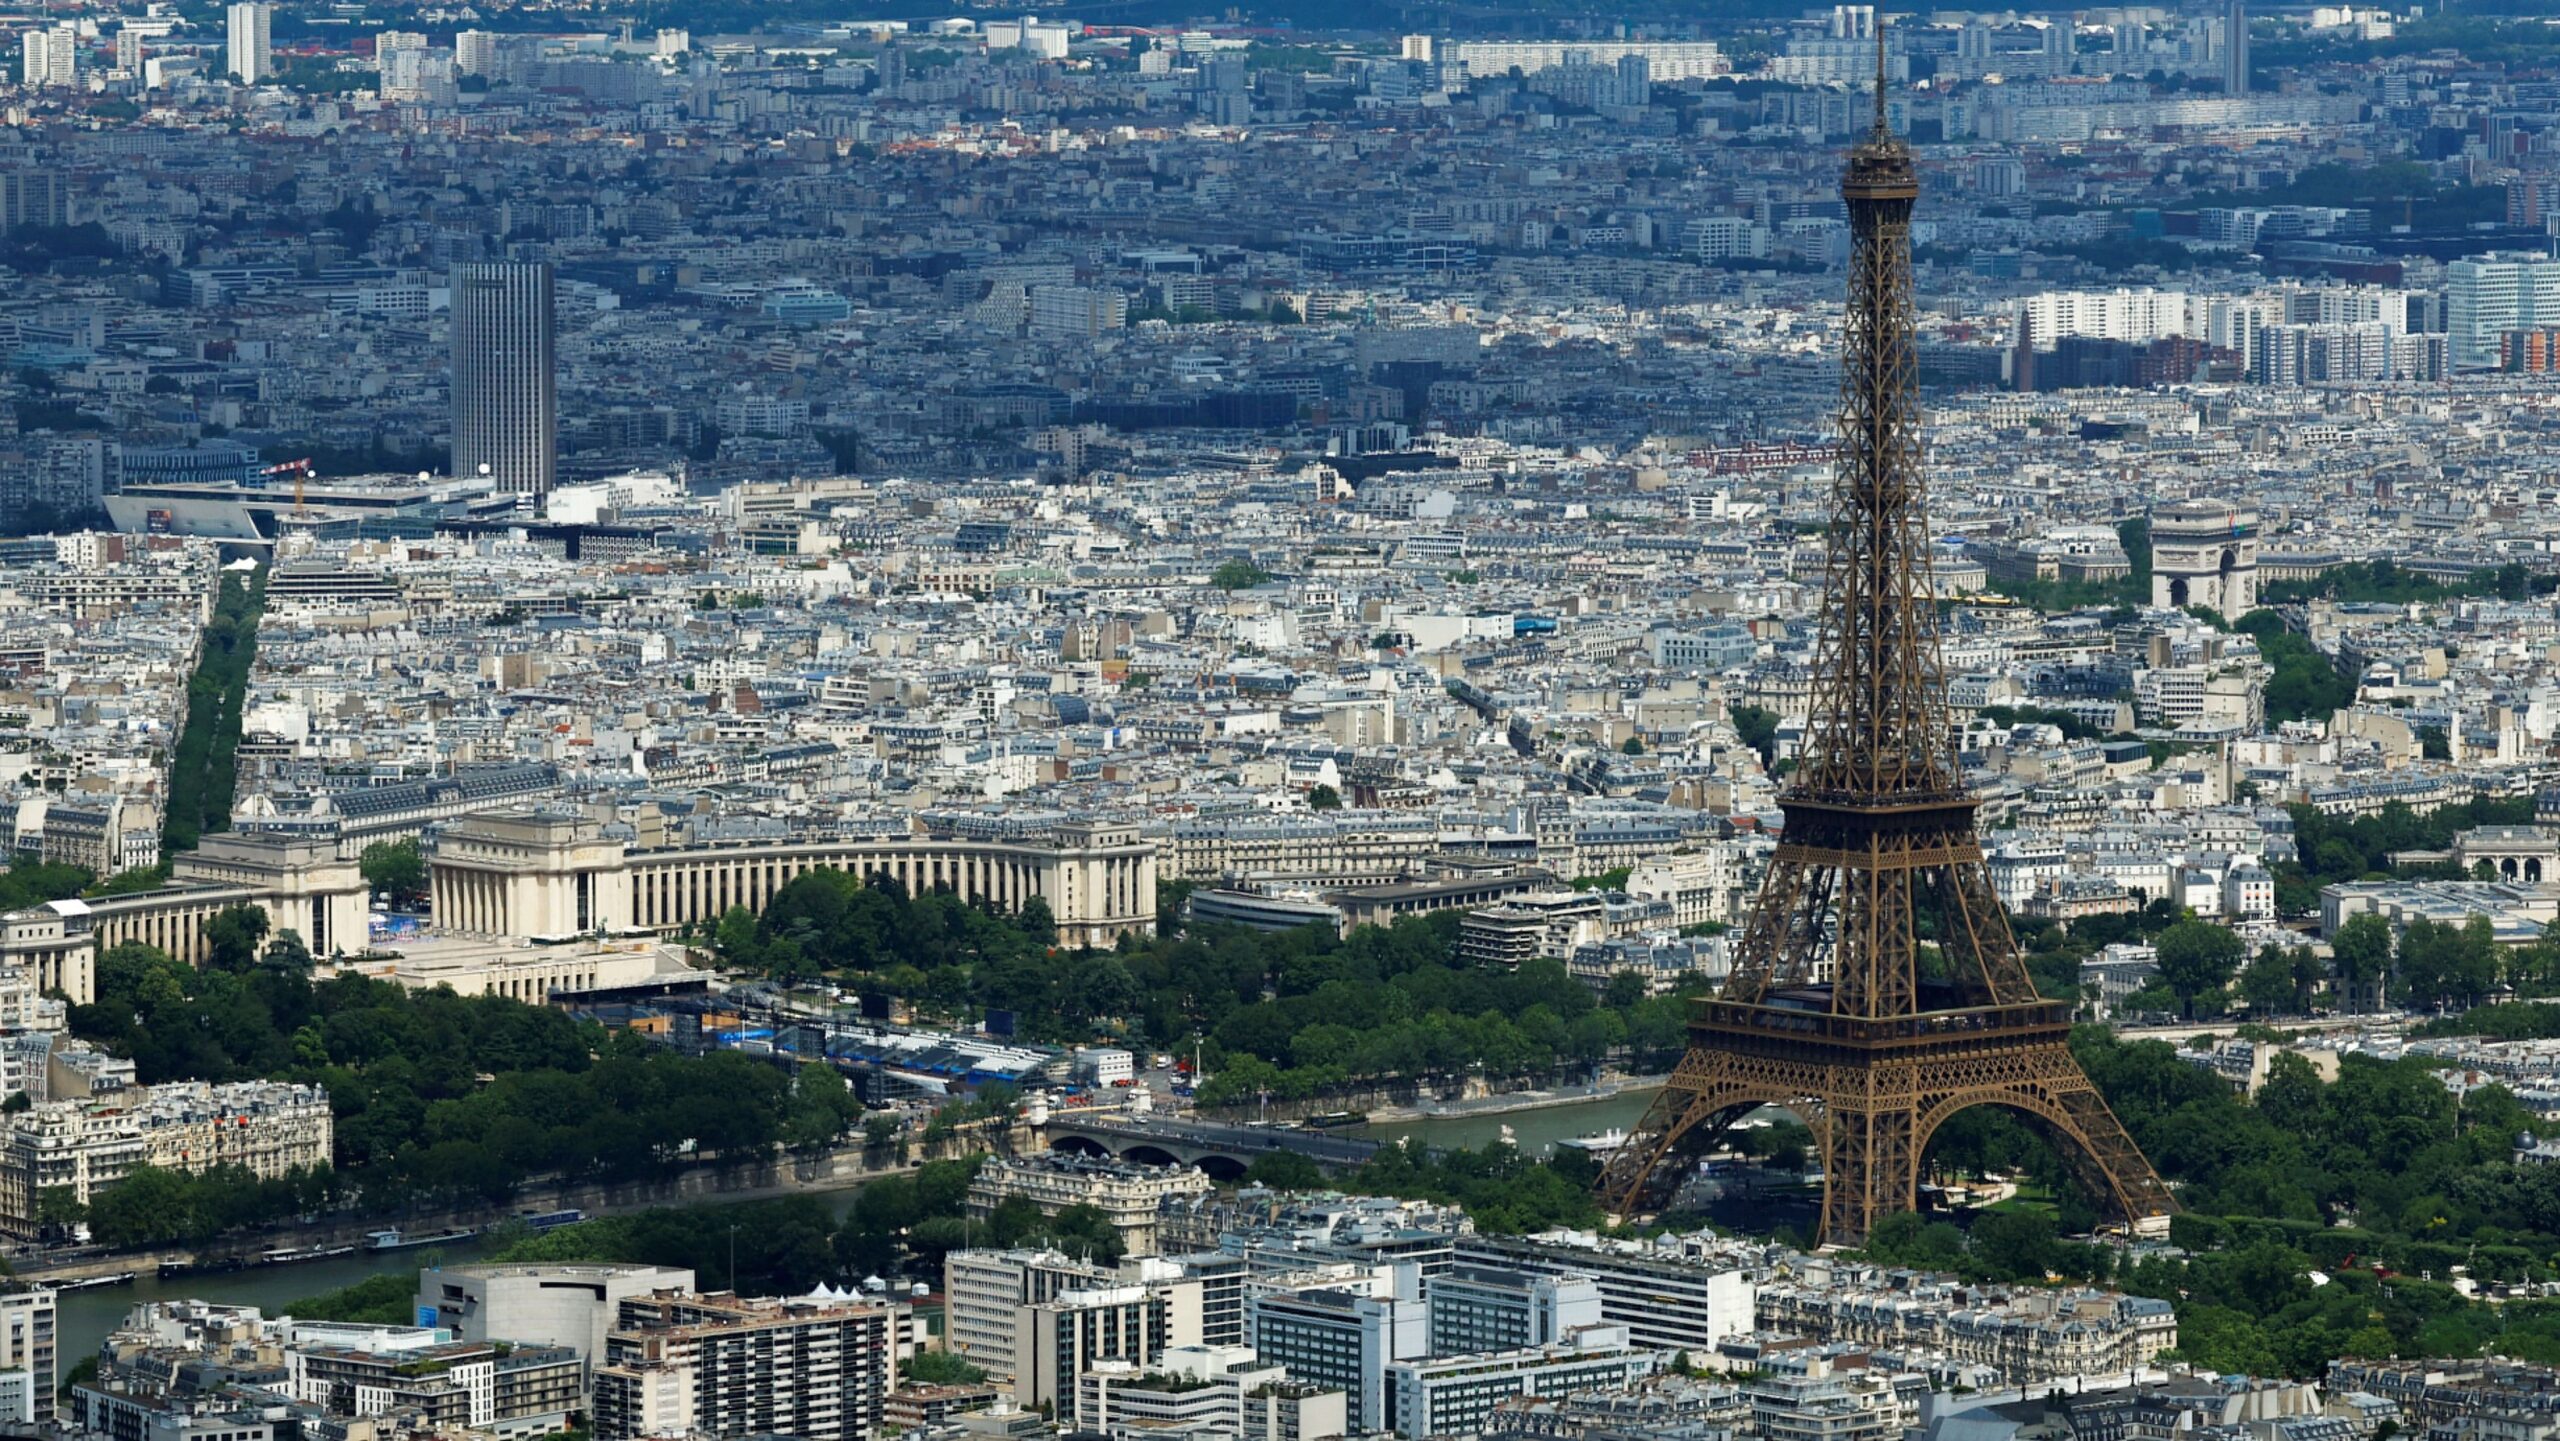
x,y
1873,1091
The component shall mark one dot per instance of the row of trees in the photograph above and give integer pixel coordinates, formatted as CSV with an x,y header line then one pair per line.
x,y
2431,963
902,1224
443,1097
1507,1193
32,883
2382,1180
202,774
2206,971
395,869
2387,583
1291,1014
2054,951
2335,849
2507,1021
932,948
153,1206
2305,684
2330,849
2383,1166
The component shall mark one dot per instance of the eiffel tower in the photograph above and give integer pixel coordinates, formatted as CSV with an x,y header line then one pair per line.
x,y
1876,990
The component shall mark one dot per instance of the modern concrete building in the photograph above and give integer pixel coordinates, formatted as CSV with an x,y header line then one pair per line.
x,y
1456,1395
1056,1341
490,1388
1824,1401
51,58
1484,1308
1665,60
571,1305
1076,310
1341,1336
984,1290
1666,1301
2235,47
1223,1389
505,404
248,52
28,1365
2488,295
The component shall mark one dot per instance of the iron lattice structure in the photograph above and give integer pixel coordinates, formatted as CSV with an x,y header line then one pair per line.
x,y
1877,990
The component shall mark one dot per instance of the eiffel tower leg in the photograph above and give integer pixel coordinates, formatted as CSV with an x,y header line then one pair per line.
x,y
2118,1164
1871,1156
2044,1084
1705,1095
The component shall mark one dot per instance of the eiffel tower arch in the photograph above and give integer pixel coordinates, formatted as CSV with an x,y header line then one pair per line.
x,y
1876,989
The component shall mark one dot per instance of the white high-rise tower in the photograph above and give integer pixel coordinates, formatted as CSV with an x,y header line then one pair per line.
x,y
248,53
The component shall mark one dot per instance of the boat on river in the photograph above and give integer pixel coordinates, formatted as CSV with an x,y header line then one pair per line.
x,y
403,1241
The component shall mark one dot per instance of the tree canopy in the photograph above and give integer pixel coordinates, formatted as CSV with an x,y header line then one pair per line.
x,y
439,1096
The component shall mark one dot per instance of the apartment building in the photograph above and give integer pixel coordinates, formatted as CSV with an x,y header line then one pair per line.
x,y
1056,1341
984,1290
1214,1388
1128,1194
1833,1402
491,1387
29,1361
267,1128
715,1365
2024,1335
1457,1395
1666,1299
1342,1335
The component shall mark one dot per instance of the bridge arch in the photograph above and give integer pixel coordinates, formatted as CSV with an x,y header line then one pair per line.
x,y
1076,1145
1219,1167
1147,1153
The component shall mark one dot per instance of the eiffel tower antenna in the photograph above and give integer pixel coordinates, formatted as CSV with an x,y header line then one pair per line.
x,y
1878,26
1876,990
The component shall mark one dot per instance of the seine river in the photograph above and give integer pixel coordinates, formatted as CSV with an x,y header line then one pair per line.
x,y
85,1317
1534,1130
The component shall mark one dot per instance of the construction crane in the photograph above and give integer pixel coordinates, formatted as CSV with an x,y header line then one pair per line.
x,y
300,470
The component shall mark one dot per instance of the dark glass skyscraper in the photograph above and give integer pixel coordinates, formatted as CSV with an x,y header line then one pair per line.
x,y
2235,49
505,400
